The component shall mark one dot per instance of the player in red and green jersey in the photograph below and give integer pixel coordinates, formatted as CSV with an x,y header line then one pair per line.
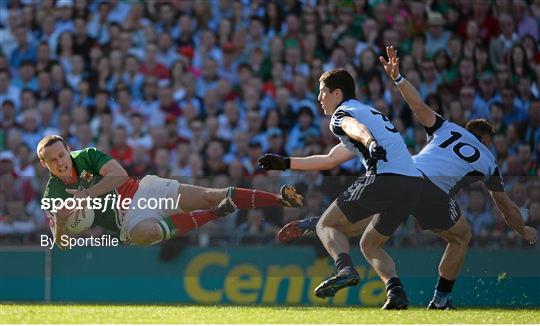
x,y
89,173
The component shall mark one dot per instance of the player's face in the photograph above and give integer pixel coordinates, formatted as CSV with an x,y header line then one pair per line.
x,y
329,100
56,159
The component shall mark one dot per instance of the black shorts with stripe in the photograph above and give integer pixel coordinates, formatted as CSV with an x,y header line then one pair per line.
x,y
437,211
394,196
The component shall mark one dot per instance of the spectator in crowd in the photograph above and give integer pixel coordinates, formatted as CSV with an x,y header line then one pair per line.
x,y
256,229
437,37
121,150
485,97
478,216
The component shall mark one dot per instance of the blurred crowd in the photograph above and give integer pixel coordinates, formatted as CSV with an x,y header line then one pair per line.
x,y
198,90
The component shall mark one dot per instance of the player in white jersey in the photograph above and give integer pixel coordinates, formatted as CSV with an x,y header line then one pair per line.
x,y
362,131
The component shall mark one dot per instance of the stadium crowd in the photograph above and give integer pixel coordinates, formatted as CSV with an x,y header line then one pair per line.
x,y
200,89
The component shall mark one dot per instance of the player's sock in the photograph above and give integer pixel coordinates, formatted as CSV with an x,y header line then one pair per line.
x,y
343,260
251,198
394,284
442,291
167,228
178,224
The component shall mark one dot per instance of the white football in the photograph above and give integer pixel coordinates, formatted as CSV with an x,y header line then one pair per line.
x,y
80,220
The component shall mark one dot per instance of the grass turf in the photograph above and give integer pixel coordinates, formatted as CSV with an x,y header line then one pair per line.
x,y
180,314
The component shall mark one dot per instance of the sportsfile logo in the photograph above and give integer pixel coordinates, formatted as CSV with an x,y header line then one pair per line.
x,y
71,242
110,201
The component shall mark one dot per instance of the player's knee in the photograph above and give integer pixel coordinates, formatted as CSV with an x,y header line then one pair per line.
x,y
351,231
145,234
366,246
320,226
348,232
324,222
462,235
465,236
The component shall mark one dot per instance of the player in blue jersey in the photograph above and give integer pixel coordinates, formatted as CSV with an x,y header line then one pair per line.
x,y
453,158
363,131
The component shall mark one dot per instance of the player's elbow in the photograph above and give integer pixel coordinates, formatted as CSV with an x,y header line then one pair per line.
x,y
123,178
121,175
121,172
465,236
425,116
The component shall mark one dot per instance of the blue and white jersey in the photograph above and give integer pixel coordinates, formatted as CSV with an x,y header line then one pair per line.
x,y
454,158
399,159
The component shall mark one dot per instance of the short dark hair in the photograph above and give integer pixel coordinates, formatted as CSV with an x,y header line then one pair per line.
x,y
256,18
480,128
102,91
342,79
137,115
245,65
122,88
27,62
8,102
28,90
132,56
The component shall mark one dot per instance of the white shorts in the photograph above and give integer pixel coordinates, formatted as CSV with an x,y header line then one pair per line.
x,y
151,186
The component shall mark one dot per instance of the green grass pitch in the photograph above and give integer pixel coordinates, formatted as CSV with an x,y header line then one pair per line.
x,y
185,314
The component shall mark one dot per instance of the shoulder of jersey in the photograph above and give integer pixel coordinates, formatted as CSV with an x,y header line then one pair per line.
x,y
486,150
352,104
77,153
51,188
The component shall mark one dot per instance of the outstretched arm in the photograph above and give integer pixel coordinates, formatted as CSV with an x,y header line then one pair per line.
x,y
337,155
425,115
512,216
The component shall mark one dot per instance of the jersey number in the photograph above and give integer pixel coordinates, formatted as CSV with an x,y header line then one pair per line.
x,y
457,147
393,129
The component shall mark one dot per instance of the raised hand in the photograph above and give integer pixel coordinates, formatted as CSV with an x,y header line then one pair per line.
x,y
392,65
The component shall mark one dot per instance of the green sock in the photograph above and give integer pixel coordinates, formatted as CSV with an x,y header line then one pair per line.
x,y
167,228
